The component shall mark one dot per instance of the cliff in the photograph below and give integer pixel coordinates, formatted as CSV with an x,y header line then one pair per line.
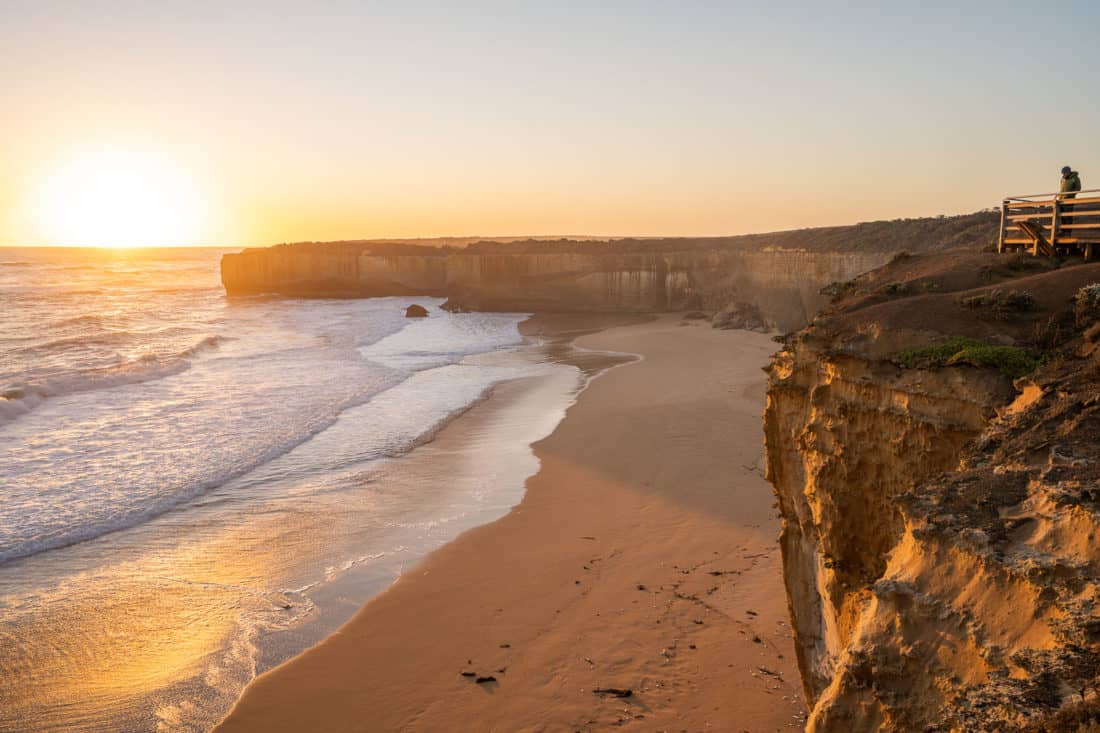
x,y
939,508
780,274
333,271
785,285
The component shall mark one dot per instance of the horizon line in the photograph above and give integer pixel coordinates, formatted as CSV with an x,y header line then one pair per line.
x,y
486,237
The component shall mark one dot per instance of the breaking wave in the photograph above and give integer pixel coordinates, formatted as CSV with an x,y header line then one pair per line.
x,y
19,399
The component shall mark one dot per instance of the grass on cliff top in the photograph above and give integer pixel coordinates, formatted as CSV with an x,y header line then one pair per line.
x,y
1012,361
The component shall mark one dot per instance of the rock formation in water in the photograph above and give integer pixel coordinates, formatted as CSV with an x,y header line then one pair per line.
x,y
934,443
742,316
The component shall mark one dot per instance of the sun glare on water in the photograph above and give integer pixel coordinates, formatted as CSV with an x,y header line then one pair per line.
x,y
119,198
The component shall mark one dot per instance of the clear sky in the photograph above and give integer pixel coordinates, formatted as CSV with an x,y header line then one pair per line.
x,y
282,121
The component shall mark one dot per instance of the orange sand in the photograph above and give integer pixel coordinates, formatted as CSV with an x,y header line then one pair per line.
x,y
643,557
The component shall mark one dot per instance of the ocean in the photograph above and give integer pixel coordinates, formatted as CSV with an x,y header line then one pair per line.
x,y
194,488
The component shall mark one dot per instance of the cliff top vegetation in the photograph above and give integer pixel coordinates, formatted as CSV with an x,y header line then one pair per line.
x,y
928,234
1007,312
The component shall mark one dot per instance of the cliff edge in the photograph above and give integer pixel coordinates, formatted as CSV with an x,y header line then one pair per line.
x,y
933,439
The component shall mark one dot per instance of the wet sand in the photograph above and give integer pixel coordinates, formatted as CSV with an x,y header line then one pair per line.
x,y
643,557
161,626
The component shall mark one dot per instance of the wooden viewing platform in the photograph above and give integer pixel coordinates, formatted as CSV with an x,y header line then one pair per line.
x,y
1051,223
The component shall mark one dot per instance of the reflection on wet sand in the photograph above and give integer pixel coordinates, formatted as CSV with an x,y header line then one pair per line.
x,y
160,626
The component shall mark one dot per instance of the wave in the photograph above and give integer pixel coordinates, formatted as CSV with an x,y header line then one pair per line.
x,y
68,535
403,410
434,342
108,338
340,452
209,343
23,398
81,320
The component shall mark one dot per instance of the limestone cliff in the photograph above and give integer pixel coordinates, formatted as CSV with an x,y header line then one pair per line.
x,y
784,285
780,274
939,517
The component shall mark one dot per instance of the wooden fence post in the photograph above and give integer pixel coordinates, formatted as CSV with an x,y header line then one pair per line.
x,y
1001,234
1055,223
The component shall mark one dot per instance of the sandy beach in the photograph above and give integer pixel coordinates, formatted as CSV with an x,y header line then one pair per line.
x,y
643,558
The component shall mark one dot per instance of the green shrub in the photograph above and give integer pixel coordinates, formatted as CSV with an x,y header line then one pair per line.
x,y
1086,304
1089,295
897,288
1012,361
1002,304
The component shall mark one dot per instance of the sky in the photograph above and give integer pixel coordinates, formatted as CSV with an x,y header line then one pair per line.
x,y
284,121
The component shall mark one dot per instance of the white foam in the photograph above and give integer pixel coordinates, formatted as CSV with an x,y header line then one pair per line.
x,y
444,338
130,443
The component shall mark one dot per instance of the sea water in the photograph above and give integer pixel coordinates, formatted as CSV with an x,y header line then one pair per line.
x,y
193,488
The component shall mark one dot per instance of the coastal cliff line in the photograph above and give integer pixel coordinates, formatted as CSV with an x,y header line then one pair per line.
x,y
932,439
784,285
781,275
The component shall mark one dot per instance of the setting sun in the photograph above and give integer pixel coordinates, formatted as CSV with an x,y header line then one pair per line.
x,y
119,198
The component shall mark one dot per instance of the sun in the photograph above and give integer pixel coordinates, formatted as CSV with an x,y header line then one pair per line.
x,y
119,198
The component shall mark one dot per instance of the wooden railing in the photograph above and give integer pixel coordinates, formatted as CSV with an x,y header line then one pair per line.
x,y
1051,223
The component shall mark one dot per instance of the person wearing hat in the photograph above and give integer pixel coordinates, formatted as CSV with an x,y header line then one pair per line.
x,y
1071,184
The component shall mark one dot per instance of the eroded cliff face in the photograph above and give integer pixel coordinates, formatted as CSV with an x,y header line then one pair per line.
x,y
784,285
939,536
847,434
331,272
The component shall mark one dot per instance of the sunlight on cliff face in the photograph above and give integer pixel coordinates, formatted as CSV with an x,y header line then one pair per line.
x,y
119,198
